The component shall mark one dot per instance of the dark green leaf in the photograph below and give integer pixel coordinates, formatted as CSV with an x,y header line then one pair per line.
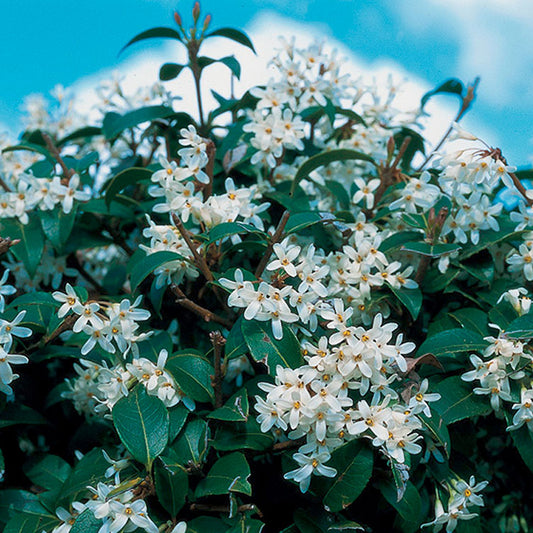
x,y
270,351
240,436
304,219
82,133
191,444
142,424
521,327
114,123
473,319
452,342
236,409
148,264
451,86
169,71
16,413
193,374
130,176
353,462
325,158
410,298
57,225
50,472
229,474
30,248
233,34
227,229
86,523
232,63
171,484
430,250
177,416
153,33
410,505
458,401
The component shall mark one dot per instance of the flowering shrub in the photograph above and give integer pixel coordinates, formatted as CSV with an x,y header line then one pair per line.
x,y
288,314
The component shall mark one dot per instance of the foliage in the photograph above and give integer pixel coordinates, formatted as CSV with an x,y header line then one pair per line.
x,y
286,313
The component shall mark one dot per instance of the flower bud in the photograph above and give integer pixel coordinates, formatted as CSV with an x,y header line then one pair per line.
x,y
196,12
207,21
177,18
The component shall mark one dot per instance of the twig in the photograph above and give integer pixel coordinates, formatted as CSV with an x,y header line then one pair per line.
x,y
286,445
218,341
521,188
389,173
205,507
67,172
467,101
4,185
6,244
275,239
67,324
207,315
198,259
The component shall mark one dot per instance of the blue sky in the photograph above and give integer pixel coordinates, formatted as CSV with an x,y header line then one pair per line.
x,y
62,41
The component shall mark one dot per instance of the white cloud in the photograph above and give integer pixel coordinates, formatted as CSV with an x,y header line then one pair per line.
x,y
493,39
143,68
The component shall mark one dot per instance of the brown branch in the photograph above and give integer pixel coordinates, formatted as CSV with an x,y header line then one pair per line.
x,y
521,188
4,185
275,239
207,315
286,445
67,324
218,341
390,173
198,259
205,507
6,244
67,172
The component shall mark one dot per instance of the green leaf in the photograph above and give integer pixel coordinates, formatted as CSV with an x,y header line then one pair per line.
x,y
325,158
343,527
451,86
430,250
29,523
171,484
233,34
86,523
473,319
30,248
30,147
191,444
239,436
229,474
153,33
227,229
398,239
82,133
353,462
16,413
452,342
236,409
205,524
232,63
192,373
114,123
438,430
142,424
409,507
523,442
14,500
270,351
57,225
87,472
143,268
177,417
458,401
304,219
521,327
129,176
410,298
50,472
169,71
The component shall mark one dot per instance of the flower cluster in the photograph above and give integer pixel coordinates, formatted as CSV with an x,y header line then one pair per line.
x,y
315,402
462,494
503,359
99,387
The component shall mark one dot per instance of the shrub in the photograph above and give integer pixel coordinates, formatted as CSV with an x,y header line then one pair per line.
x,y
285,315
